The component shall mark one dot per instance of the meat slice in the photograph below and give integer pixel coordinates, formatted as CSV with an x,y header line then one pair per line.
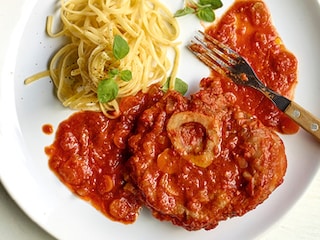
x,y
200,161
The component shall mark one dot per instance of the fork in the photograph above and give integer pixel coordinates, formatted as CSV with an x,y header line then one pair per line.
x,y
228,62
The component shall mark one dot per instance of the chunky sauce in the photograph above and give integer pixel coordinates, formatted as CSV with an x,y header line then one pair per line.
x,y
247,28
200,161
89,155
90,151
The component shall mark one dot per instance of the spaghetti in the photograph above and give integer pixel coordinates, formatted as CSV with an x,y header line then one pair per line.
x,y
77,68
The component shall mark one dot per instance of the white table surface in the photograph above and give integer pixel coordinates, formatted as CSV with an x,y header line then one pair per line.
x,y
301,222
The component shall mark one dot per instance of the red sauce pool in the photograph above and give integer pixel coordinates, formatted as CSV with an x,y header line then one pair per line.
x,y
89,155
247,28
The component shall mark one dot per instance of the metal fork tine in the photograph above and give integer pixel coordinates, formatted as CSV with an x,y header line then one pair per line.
x,y
206,55
221,50
217,56
225,51
209,60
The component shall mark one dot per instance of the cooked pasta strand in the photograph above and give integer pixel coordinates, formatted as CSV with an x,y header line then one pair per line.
x,y
77,68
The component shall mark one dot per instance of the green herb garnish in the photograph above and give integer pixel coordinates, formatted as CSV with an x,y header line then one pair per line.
x,y
120,47
180,86
204,9
108,88
125,75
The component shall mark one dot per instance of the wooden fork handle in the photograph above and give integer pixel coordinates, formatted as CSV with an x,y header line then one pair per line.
x,y
305,119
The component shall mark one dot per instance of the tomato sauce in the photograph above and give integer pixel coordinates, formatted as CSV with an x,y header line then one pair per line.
x,y
200,161
89,155
247,28
47,129
90,151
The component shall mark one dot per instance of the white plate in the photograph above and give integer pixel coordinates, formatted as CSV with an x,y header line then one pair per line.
x,y
24,109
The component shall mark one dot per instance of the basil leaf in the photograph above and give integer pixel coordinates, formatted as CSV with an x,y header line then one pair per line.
x,y
200,8
206,14
113,72
184,11
214,4
165,86
107,90
180,86
126,75
120,47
